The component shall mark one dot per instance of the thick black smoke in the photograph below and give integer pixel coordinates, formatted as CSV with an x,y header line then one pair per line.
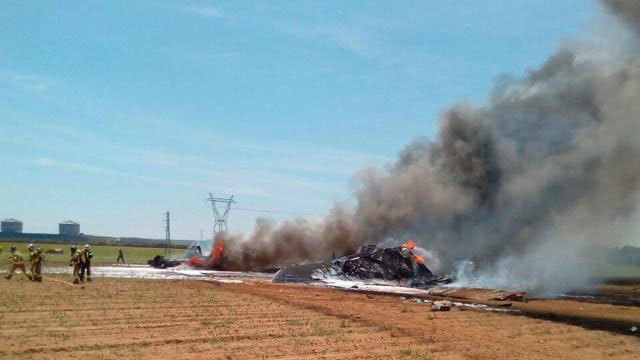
x,y
521,186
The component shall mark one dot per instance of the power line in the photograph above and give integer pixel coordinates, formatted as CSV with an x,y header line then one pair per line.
x,y
274,212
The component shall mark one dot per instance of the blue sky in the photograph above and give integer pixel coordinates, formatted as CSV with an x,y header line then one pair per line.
x,y
113,112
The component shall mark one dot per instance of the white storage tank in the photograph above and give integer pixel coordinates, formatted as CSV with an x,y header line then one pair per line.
x,y
11,226
69,228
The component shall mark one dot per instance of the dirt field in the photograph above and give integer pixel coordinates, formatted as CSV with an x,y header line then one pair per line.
x,y
173,319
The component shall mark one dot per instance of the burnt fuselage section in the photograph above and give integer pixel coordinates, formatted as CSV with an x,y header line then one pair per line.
x,y
369,263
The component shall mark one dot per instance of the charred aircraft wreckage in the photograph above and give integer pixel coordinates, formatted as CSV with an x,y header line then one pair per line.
x,y
398,264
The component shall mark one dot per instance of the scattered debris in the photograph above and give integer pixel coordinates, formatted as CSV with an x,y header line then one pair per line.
x,y
442,305
505,305
159,262
510,296
479,294
297,273
223,281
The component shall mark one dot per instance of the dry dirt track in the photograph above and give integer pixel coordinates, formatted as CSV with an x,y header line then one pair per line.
x,y
173,319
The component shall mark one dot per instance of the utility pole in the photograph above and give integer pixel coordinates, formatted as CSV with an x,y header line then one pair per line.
x,y
220,224
167,238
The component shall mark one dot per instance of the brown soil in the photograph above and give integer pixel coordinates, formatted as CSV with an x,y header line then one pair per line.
x,y
174,319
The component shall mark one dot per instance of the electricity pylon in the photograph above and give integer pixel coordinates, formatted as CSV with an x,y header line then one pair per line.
x,y
167,237
220,225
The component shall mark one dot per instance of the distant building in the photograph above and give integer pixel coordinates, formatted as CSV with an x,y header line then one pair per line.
x,y
69,228
11,226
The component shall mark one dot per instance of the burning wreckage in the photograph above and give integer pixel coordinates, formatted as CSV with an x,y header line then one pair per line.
x,y
194,258
371,265
399,264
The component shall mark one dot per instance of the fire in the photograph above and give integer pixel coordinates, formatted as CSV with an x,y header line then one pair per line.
x,y
195,261
410,245
218,246
213,259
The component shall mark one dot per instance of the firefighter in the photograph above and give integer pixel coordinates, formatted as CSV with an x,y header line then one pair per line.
x,y
33,258
17,262
13,249
86,265
120,256
36,265
76,257
81,263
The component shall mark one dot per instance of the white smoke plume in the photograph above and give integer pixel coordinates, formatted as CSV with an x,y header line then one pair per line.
x,y
521,186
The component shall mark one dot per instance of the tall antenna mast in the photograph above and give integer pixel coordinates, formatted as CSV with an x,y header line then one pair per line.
x,y
167,238
220,225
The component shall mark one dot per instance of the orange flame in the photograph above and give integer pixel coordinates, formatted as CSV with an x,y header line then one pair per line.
x,y
218,246
212,259
410,245
195,261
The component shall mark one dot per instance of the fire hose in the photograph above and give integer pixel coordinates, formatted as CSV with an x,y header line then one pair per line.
x,y
63,282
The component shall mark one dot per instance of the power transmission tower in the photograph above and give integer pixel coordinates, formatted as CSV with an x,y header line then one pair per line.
x,y
167,238
220,226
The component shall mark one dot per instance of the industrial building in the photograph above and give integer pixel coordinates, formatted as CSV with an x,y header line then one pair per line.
x,y
69,228
11,226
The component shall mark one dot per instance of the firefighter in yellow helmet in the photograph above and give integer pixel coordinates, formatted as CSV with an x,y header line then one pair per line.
x,y
76,261
17,262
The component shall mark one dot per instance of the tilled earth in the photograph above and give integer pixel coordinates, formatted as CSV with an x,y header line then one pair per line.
x,y
175,319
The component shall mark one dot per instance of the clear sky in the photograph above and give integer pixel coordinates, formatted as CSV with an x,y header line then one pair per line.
x,y
112,112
